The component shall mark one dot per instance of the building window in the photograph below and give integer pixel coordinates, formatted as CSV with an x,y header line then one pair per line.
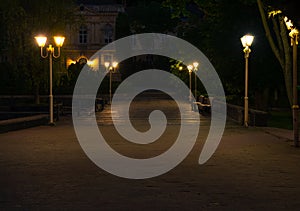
x,y
108,33
83,35
107,58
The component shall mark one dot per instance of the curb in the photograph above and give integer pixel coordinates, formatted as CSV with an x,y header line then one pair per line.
x,y
23,122
279,132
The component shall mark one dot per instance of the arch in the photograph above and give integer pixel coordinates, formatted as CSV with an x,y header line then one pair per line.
x,y
82,60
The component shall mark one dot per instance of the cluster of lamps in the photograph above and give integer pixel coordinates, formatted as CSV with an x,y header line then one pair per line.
x,y
50,51
246,42
191,68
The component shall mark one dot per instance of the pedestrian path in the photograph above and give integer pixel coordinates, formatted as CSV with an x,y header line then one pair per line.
x,y
44,168
140,111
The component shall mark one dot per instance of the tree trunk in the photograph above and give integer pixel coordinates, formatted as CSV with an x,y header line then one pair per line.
x,y
283,53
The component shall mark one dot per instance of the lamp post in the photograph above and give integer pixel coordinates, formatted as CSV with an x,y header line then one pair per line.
x,y
190,68
246,42
195,65
110,67
294,42
50,51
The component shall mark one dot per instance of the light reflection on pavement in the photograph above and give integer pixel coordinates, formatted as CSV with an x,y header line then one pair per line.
x,y
142,106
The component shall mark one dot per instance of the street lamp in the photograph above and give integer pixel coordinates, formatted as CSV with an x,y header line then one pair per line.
x,y
110,67
294,42
246,42
50,51
195,65
190,68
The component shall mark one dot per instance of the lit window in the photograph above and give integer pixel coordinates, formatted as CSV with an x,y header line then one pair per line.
x,y
83,34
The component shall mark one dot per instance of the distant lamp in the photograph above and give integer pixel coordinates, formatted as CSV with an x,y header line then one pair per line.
x,y
111,68
115,64
90,62
195,64
106,64
195,67
190,68
288,23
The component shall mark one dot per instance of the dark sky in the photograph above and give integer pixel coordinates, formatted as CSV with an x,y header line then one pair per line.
x,y
289,7
98,1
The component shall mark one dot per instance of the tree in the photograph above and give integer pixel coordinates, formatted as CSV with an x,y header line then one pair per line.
x,y
279,41
24,19
215,27
221,18
144,17
150,17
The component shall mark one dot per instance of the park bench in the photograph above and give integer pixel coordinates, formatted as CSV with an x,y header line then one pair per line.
x,y
58,110
203,104
99,104
83,105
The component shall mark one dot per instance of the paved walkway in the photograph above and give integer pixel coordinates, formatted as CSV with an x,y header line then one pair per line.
x,y
44,168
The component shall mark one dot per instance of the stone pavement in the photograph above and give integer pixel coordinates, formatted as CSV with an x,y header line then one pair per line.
x,y
44,168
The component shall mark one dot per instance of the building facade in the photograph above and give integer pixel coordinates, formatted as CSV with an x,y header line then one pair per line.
x,y
96,28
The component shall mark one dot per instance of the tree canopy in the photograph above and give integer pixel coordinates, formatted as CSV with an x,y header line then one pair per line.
x,y
21,20
216,29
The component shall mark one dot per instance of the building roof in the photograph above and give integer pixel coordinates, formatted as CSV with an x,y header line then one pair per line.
x,y
96,2
100,6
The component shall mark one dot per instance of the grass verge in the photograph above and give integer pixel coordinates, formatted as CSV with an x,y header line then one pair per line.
x,y
281,119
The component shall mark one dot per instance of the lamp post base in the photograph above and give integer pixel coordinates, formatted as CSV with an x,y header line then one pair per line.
x,y
51,124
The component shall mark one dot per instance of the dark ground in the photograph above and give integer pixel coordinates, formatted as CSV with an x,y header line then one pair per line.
x,y
44,168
